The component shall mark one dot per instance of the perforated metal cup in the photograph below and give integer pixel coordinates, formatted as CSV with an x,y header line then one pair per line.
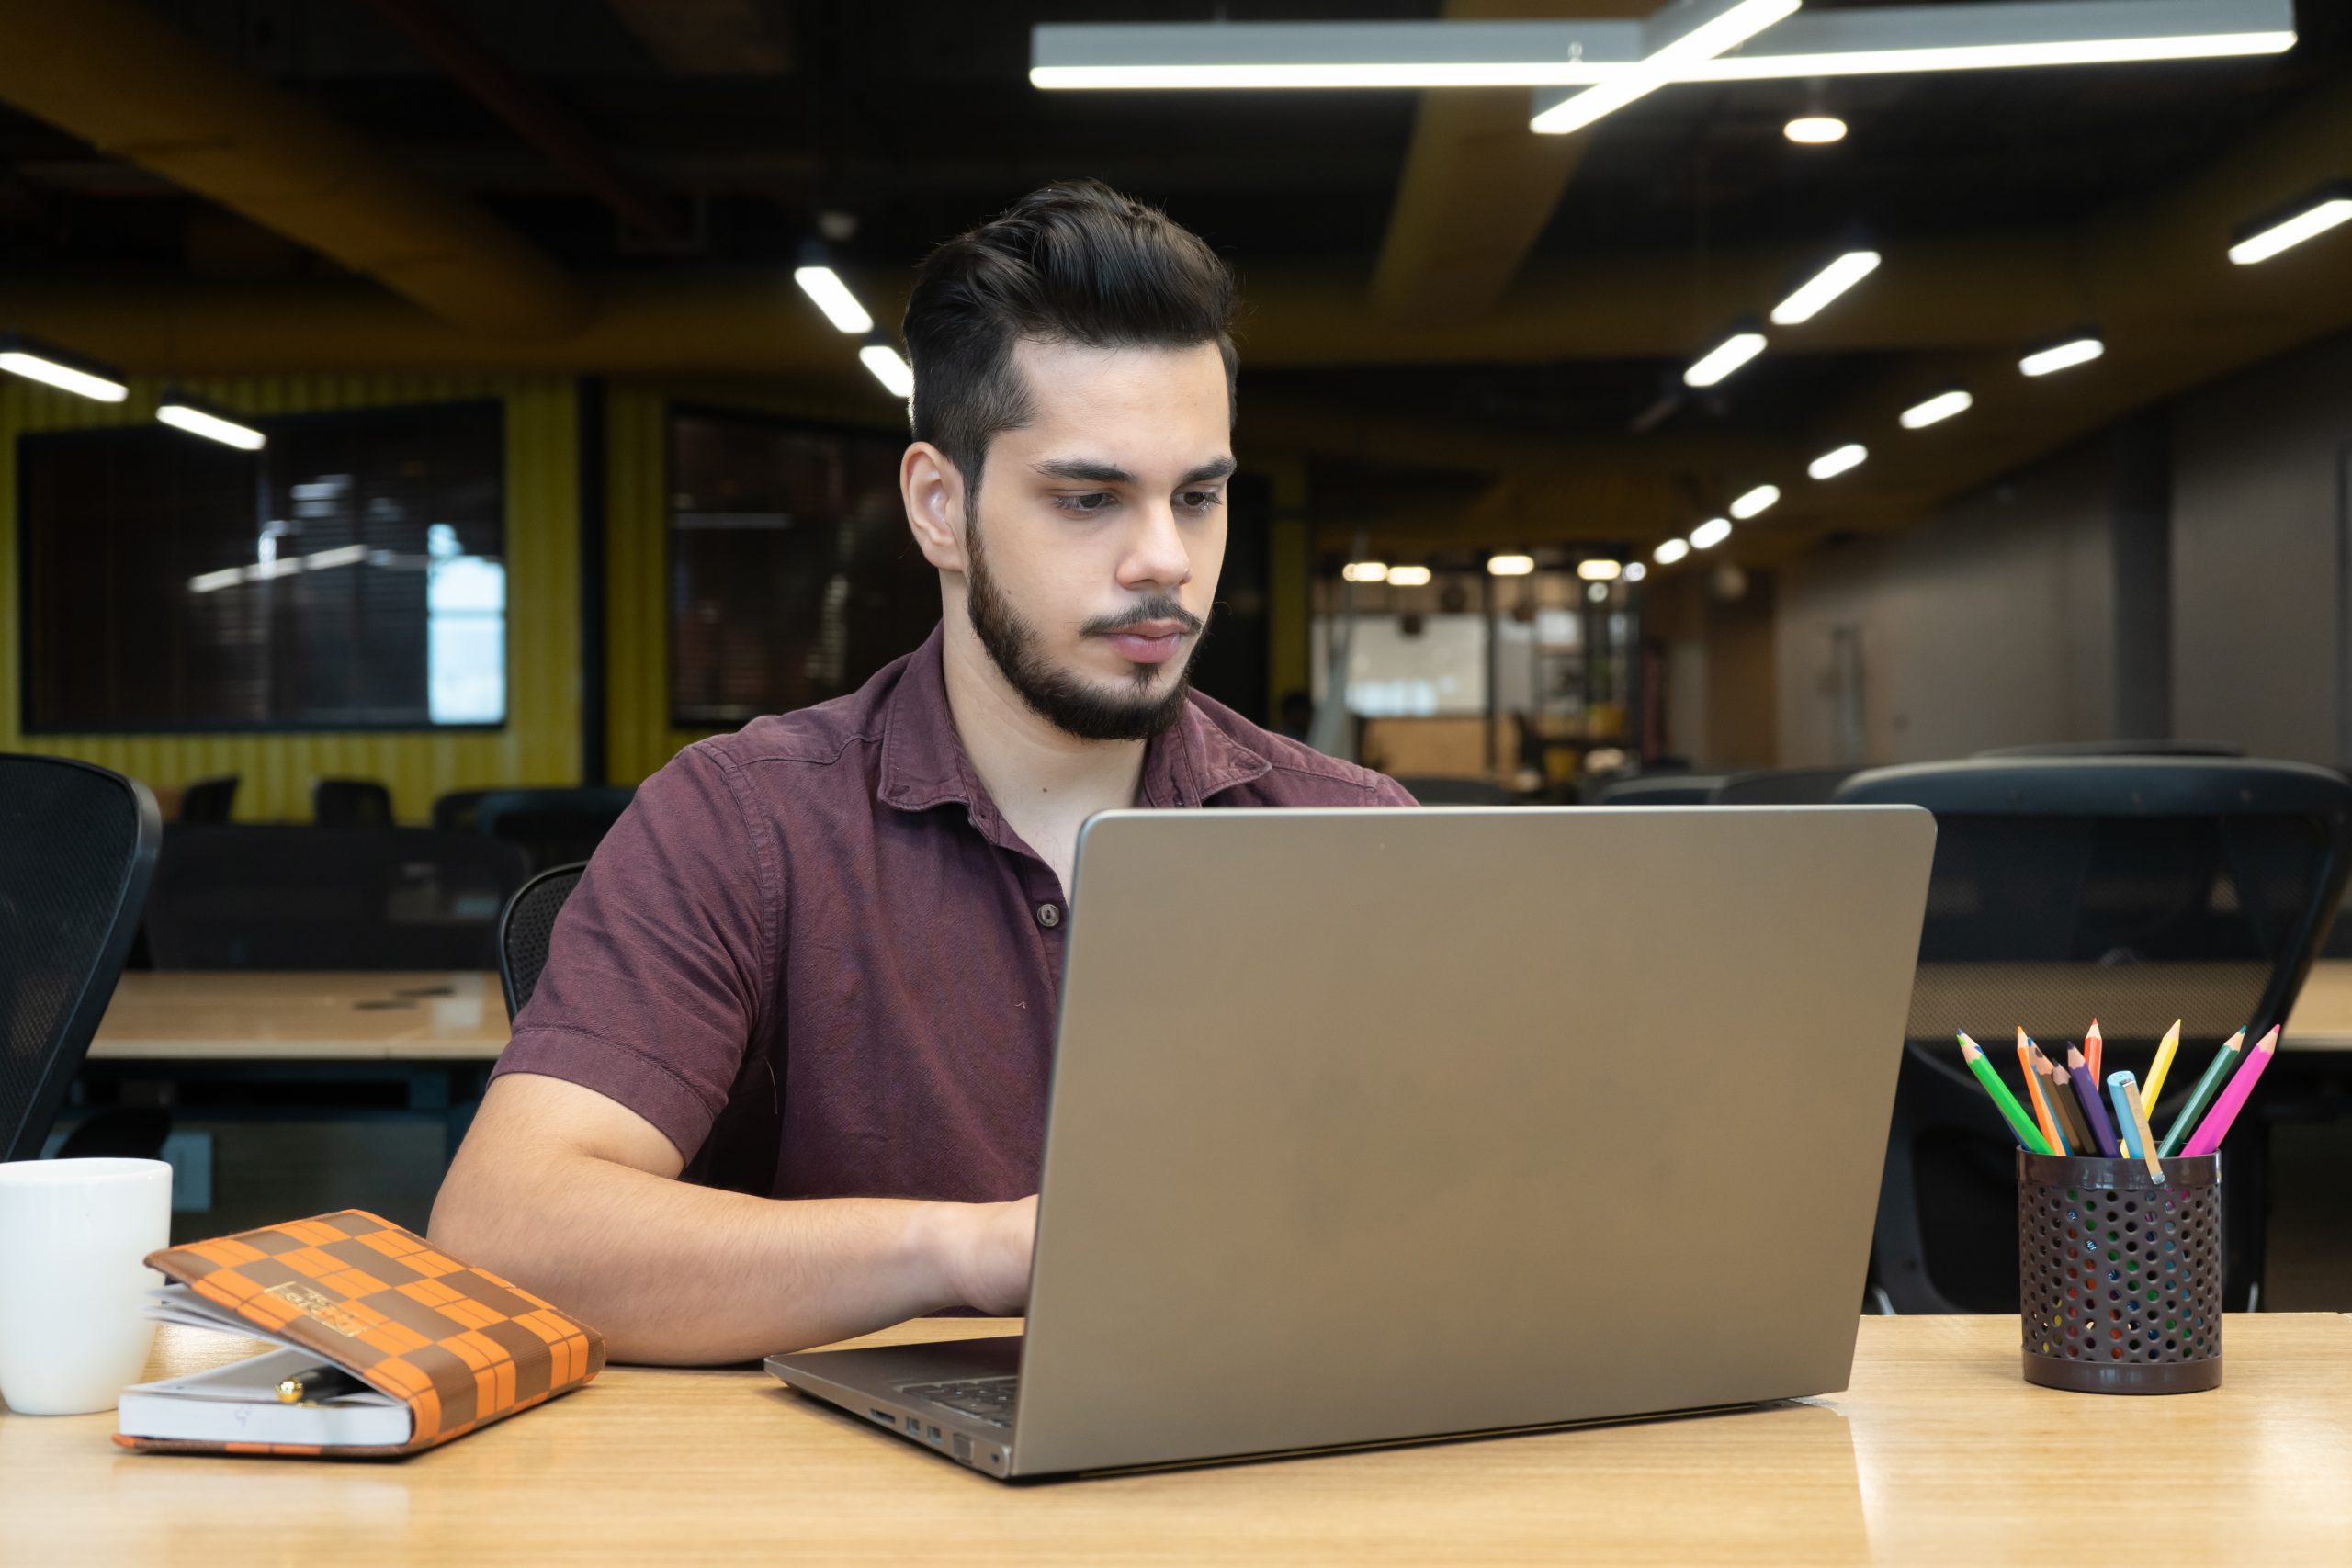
x,y
2119,1277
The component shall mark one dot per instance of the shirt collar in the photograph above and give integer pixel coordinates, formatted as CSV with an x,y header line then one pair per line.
x,y
924,764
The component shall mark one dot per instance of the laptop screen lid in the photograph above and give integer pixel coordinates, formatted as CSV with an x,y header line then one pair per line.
x,y
1370,1125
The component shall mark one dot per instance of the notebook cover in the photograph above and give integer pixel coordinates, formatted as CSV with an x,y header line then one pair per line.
x,y
460,1346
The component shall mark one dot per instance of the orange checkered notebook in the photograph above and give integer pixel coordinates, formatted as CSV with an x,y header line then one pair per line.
x,y
458,1347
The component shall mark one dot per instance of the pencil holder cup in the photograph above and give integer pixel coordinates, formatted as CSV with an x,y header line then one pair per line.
x,y
2118,1276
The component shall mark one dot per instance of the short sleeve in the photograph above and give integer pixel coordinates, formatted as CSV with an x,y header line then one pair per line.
x,y
1388,791
658,974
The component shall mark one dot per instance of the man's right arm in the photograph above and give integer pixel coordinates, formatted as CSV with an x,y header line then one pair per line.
x,y
575,1197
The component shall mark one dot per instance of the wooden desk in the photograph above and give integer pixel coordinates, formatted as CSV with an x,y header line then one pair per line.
x,y
1939,1453
262,1015
2132,1002
2322,1017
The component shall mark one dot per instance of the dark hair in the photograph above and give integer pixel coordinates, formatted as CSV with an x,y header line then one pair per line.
x,y
1073,263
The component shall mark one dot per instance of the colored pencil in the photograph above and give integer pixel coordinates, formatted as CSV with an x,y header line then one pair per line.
x,y
2036,1099
2054,1084
2092,1044
2133,1117
2164,1054
2216,1125
2078,1076
2217,1072
2002,1100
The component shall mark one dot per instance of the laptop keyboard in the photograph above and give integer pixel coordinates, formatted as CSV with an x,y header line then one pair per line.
x,y
983,1399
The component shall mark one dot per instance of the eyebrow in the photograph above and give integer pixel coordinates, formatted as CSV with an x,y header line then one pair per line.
x,y
1087,472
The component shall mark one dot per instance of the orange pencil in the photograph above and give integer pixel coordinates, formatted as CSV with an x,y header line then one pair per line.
x,y
2040,1102
2091,1047
2061,1102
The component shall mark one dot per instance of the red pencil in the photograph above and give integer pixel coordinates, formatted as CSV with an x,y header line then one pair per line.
x,y
2091,1046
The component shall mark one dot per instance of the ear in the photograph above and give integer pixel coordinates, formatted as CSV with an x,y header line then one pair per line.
x,y
934,492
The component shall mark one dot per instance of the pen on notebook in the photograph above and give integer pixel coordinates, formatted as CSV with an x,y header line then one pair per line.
x,y
2053,1083
2002,1100
2216,1125
317,1383
2164,1054
2039,1100
2078,1077
2217,1072
2094,1049
2132,1118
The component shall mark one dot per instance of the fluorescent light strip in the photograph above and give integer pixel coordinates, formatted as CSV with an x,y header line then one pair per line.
x,y
1756,500
1940,407
1710,534
1671,551
211,426
1985,57
1728,29
2006,34
1599,570
1510,566
896,377
2062,356
1365,571
1331,54
1823,287
2328,209
49,372
824,286
1409,577
1829,465
1724,358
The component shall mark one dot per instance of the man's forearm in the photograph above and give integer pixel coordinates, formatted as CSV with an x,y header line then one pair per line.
x,y
672,1272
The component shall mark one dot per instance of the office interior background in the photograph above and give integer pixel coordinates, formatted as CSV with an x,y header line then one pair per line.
x,y
491,424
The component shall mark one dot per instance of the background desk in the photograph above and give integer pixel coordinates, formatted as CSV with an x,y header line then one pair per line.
x,y
275,1015
1939,1453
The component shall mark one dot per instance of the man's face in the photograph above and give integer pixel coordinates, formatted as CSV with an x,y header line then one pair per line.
x,y
1096,538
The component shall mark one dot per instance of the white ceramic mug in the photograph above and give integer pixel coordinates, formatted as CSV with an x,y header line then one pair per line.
x,y
74,1237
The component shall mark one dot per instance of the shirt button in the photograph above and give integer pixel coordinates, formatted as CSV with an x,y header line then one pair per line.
x,y
1049,915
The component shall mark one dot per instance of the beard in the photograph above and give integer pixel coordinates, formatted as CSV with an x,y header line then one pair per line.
x,y
1153,698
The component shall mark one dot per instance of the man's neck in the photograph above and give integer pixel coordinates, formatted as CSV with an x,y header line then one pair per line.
x,y
1028,765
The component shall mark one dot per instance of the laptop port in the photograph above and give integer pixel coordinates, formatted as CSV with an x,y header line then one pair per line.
x,y
884,1416
963,1448
914,1427
934,1434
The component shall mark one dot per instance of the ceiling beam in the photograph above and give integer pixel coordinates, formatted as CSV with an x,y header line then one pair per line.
x,y
123,78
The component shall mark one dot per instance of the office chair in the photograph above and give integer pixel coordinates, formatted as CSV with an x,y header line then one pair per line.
x,y
2134,890
554,827
1658,789
208,800
1436,791
78,853
460,811
2120,749
350,803
1782,787
527,927
297,898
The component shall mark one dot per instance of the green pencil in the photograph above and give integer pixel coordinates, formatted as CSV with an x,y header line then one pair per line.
x,y
2217,1073
2019,1123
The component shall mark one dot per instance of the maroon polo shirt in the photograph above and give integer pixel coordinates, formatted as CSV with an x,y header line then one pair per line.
x,y
814,954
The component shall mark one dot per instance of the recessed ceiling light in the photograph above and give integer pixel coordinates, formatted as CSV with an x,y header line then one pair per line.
x,y
2065,356
185,414
1829,465
2311,216
824,286
1755,502
1365,571
898,378
1599,570
1510,566
1814,130
1806,301
1669,552
1710,534
1635,571
1942,406
1724,358
55,368
1409,577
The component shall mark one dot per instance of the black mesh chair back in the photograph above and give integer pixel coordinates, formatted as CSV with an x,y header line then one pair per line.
x,y
297,898
350,803
527,927
208,800
1782,786
2133,890
77,850
1436,791
460,811
554,827
1658,789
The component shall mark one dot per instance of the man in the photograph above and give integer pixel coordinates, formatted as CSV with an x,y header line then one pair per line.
x,y
817,960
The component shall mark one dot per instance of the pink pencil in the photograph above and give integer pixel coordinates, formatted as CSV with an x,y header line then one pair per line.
x,y
2216,1125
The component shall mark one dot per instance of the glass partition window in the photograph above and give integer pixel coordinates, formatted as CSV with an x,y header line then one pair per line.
x,y
350,575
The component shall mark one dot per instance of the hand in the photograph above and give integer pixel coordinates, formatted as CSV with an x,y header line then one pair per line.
x,y
988,1255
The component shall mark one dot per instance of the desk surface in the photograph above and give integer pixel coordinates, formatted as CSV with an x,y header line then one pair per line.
x,y
1939,1453
186,1015
269,1015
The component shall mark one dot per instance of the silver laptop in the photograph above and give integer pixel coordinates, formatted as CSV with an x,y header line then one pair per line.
x,y
1378,1126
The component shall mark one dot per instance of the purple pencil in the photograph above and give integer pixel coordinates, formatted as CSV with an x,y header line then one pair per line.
x,y
2077,1074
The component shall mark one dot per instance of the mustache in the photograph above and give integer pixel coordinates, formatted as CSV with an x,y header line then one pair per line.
x,y
1155,609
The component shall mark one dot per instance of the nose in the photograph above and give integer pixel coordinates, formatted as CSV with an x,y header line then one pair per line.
x,y
1155,554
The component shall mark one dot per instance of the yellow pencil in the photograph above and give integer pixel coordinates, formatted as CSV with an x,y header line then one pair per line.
x,y
2129,1093
2163,1065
